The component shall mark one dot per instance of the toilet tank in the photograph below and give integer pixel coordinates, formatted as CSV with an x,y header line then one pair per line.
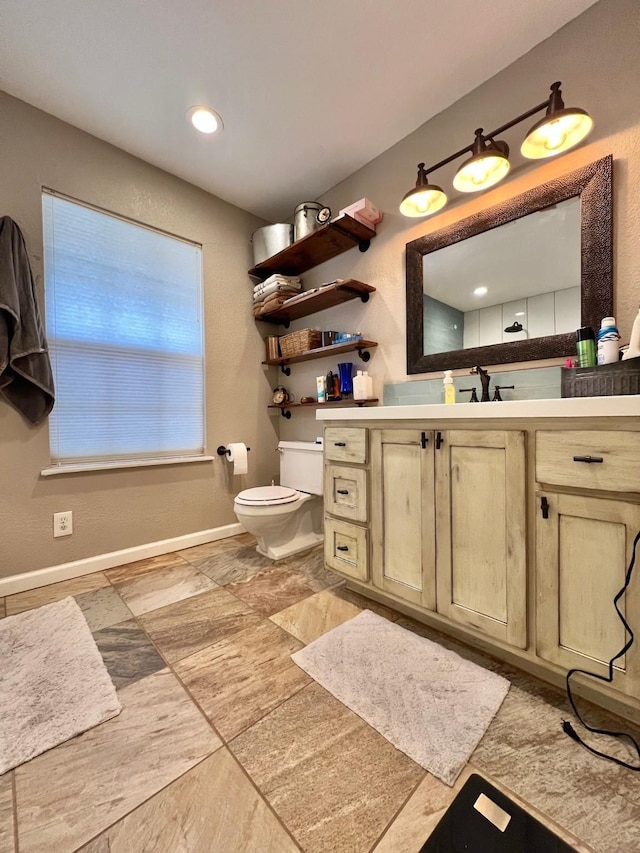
x,y
301,466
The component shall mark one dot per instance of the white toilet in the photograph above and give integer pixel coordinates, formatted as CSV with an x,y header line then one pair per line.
x,y
286,519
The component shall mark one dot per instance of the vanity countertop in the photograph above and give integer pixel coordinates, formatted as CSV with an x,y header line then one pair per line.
x,y
568,407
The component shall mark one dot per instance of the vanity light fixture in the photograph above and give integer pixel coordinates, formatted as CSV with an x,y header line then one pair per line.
x,y
560,129
204,119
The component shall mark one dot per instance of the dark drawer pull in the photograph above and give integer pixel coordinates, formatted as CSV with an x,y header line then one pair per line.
x,y
342,548
343,491
588,459
340,443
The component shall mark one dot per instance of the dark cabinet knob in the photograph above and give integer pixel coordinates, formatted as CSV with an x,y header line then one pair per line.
x,y
588,459
343,491
340,443
342,548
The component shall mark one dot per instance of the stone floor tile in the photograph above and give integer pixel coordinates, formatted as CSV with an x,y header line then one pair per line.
x,y
271,590
181,629
128,571
314,616
127,652
160,587
334,781
6,814
102,608
22,601
68,795
239,680
211,809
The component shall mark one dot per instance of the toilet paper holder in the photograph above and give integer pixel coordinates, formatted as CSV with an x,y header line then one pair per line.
x,y
224,451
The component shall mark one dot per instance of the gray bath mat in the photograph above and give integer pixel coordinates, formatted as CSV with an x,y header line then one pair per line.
x,y
53,682
426,700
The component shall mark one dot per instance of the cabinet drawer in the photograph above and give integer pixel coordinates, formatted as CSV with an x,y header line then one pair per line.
x,y
346,548
562,459
345,492
343,444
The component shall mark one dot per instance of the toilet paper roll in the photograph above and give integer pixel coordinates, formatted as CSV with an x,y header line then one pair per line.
x,y
238,455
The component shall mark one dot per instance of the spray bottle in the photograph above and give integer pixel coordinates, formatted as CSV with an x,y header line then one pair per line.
x,y
634,343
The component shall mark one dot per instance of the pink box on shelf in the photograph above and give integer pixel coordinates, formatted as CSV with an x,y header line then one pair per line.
x,y
364,212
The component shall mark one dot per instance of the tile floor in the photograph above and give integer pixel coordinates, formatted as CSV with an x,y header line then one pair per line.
x,y
225,746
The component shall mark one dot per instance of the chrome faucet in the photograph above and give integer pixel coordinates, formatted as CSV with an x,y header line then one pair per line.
x,y
485,379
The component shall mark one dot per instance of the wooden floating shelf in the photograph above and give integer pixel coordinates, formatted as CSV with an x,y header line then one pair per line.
x,y
311,302
326,242
323,352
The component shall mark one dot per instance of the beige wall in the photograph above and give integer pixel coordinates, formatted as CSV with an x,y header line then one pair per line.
x,y
597,58
120,509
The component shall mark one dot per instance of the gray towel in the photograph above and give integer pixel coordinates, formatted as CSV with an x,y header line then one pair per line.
x,y
26,380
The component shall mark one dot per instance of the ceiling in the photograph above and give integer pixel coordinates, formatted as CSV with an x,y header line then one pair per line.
x,y
308,91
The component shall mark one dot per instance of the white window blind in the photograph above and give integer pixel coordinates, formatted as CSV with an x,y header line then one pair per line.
x,y
124,324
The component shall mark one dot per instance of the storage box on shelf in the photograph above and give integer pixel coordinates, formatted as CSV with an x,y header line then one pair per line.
x,y
300,342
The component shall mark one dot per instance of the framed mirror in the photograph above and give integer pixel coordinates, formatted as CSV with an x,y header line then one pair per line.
x,y
513,283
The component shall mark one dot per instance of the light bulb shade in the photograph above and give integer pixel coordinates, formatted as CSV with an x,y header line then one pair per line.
x,y
482,171
423,201
557,132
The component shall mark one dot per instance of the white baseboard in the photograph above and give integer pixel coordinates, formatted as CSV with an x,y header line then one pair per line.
x,y
66,571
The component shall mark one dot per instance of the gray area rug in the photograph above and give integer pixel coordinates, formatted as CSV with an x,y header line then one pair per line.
x,y
426,700
53,682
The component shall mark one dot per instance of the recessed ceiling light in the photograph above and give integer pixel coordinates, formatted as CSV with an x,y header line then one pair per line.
x,y
480,291
519,314
205,119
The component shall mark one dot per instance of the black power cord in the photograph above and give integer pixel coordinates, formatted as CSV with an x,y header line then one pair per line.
x,y
566,725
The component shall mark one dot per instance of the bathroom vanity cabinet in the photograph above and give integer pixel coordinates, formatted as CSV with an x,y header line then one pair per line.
x,y
504,530
446,521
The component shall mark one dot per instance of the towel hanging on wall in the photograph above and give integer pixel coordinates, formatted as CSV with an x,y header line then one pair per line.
x,y
26,380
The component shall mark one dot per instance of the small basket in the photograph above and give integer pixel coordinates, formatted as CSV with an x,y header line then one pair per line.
x,y
619,378
299,342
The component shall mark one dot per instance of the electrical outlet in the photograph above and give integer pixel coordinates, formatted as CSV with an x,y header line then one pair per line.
x,y
62,523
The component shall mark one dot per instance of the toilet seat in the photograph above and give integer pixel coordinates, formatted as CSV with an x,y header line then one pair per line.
x,y
267,496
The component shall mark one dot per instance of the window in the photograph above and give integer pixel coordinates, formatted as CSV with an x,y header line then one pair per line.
x,y
124,324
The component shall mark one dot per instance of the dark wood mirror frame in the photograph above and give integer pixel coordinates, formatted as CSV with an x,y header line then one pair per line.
x,y
593,183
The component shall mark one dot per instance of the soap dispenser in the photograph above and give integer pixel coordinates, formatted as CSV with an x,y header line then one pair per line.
x,y
449,388
359,386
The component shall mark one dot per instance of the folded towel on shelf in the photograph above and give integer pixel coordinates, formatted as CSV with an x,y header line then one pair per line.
x,y
278,278
275,289
277,281
26,380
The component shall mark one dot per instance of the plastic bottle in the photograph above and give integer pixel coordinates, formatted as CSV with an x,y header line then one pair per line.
x,y
328,385
449,388
369,385
634,343
586,347
321,388
359,386
608,338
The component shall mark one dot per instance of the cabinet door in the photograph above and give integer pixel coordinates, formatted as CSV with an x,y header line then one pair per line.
x,y
402,523
583,550
480,523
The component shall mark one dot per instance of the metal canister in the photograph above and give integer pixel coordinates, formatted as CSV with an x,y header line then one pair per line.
x,y
305,218
272,347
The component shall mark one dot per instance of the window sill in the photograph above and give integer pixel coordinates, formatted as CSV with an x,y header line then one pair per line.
x,y
83,467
